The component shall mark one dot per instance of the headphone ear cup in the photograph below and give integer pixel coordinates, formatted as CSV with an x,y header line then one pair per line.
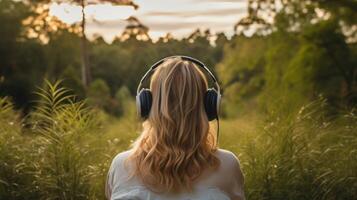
x,y
144,102
211,104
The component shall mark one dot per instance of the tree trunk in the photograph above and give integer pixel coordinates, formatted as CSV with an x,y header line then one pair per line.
x,y
84,51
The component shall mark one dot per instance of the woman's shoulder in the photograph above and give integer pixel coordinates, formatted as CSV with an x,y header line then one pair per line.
x,y
119,162
229,177
122,156
227,158
229,167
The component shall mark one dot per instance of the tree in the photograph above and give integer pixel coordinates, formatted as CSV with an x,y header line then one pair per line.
x,y
45,23
126,103
99,94
266,14
85,58
135,30
22,60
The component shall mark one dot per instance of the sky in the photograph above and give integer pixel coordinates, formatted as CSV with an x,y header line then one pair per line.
x,y
178,17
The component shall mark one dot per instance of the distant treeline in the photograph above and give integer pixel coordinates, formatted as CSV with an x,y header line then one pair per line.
x,y
302,55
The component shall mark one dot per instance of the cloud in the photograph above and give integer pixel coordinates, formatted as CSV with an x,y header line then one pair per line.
x,y
215,1
157,25
179,17
220,12
172,27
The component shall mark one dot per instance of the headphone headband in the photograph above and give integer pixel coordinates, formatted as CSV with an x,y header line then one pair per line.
x,y
187,58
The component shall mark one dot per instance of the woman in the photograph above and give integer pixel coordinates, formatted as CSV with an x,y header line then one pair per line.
x,y
176,156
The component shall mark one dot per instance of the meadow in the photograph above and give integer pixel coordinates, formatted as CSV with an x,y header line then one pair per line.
x,y
63,148
287,69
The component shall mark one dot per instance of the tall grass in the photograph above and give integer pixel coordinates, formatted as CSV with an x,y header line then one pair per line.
x,y
63,148
16,171
57,152
65,162
303,155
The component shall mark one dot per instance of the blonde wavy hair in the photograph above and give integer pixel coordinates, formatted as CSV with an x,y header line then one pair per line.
x,y
176,144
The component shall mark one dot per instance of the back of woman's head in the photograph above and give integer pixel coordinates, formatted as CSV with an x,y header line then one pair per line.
x,y
176,144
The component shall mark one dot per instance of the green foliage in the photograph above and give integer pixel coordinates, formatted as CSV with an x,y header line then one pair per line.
x,y
287,70
15,169
57,156
99,94
21,61
66,150
298,155
71,80
63,172
126,102
241,72
62,148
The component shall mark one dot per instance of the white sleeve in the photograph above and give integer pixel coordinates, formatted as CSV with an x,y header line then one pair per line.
x,y
117,175
237,187
109,182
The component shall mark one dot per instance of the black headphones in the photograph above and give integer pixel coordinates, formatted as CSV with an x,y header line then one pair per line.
x,y
211,100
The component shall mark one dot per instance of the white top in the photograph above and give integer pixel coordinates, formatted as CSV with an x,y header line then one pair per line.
x,y
225,183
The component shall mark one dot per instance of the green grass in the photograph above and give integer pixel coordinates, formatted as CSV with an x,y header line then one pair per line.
x,y
63,149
